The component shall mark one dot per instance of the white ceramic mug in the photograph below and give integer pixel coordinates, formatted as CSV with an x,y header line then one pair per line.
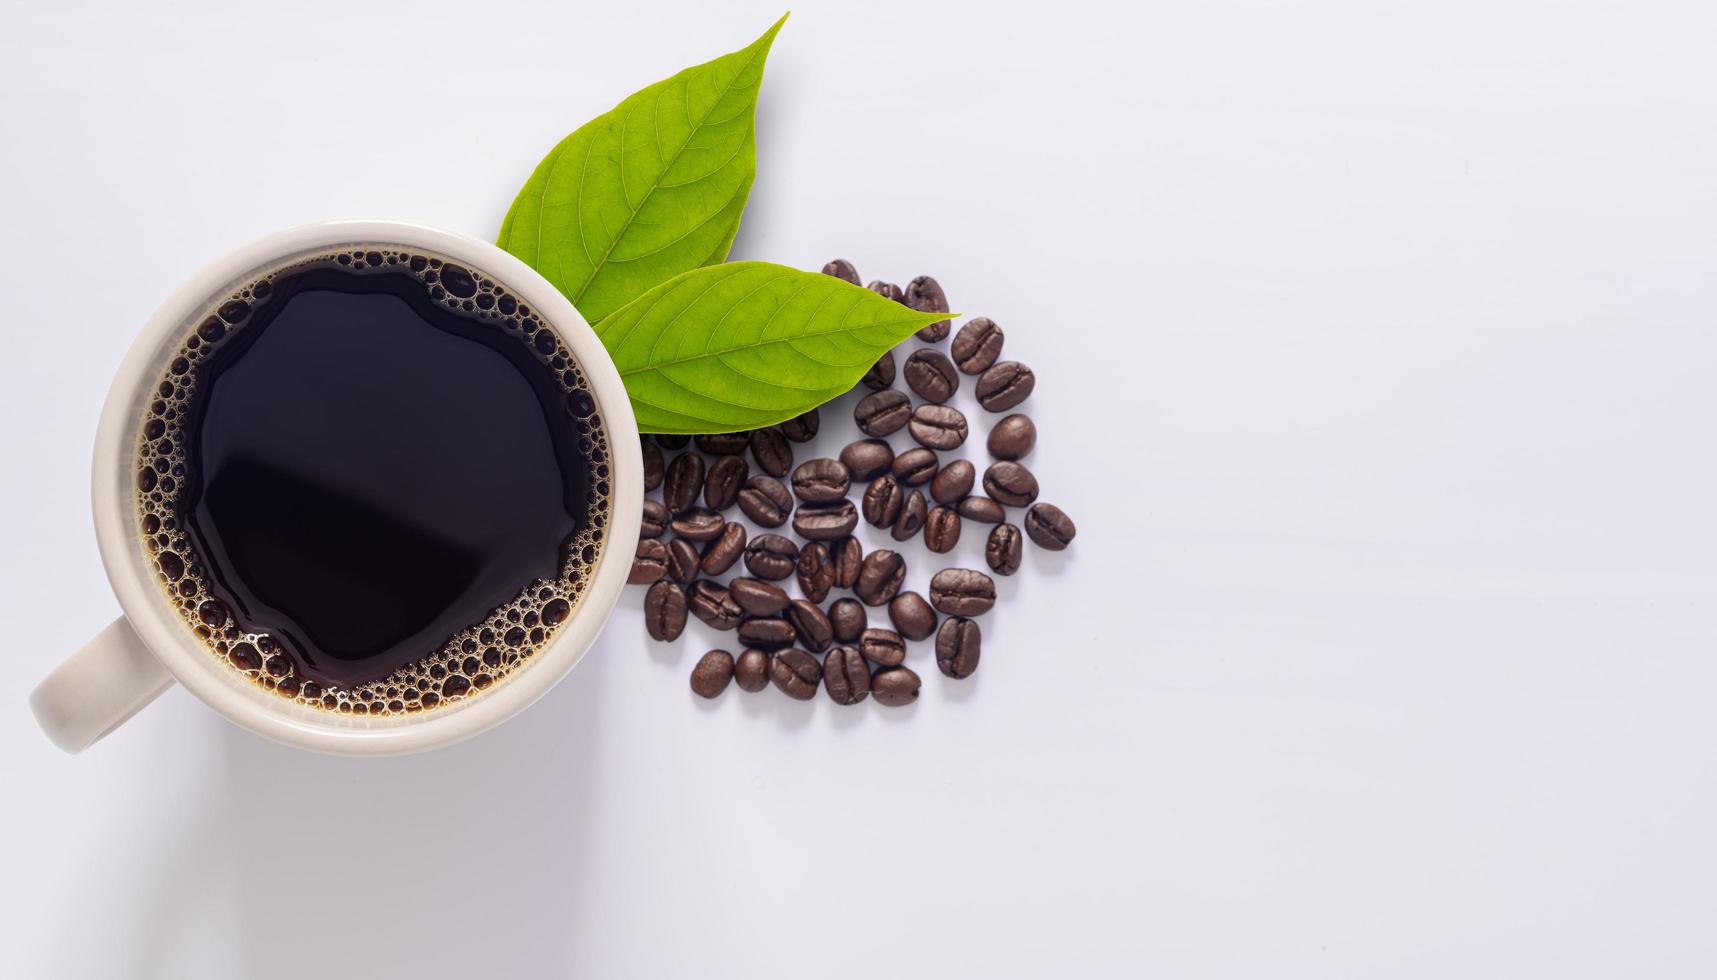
x,y
142,653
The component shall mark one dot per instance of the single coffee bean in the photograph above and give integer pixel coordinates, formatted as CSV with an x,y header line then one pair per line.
x,y
866,458
751,670
842,269
1002,550
756,597
816,571
880,577
649,563
981,509
915,467
962,592
771,557
977,345
656,518
796,674
1012,437
847,557
713,672
911,520
724,443
766,501
684,562
953,482
895,686
683,482
726,478
941,529
1010,483
880,377
925,295
802,428
1049,527
712,604
848,620
698,524
1004,385
670,441
653,464
930,374
912,616
882,647
821,481
720,554
888,290
825,522
812,624
882,413
882,500
766,631
958,644
937,426
664,611
846,677
773,454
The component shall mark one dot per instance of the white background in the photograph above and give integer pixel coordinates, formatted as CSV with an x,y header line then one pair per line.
x,y
1376,358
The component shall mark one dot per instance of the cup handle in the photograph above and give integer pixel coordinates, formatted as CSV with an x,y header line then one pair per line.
x,y
106,682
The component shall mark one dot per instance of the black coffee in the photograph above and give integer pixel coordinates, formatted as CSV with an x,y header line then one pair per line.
x,y
374,480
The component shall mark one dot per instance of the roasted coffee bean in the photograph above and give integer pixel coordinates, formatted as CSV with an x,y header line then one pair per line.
x,y
649,563
977,345
821,481
882,413
867,457
684,562
724,443
683,482
653,464
953,482
915,467
802,428
847,556
664,611
1012,437
712,604
771,557
1002,550
825,522
842,269
912,616
670,441
895,686
925,295
880,377
1049,527
766,501
698,524
1010,483
1004,385
720,554
656,518
981,509
846,677
751,671
882,500
888,290
796,674
882,647
726,477
757,597
937,426
766,631
848,619
962,592
812,624
930,374
816,571
773,454
941,529
911,519
713,672
880,577
958,644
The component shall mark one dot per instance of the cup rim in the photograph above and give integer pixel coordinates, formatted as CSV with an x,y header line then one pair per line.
x,y
241,700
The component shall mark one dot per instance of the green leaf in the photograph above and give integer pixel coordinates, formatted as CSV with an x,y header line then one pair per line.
x,y
649,190
748,344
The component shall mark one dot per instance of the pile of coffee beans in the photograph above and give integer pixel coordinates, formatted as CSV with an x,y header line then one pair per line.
x,y
690,543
